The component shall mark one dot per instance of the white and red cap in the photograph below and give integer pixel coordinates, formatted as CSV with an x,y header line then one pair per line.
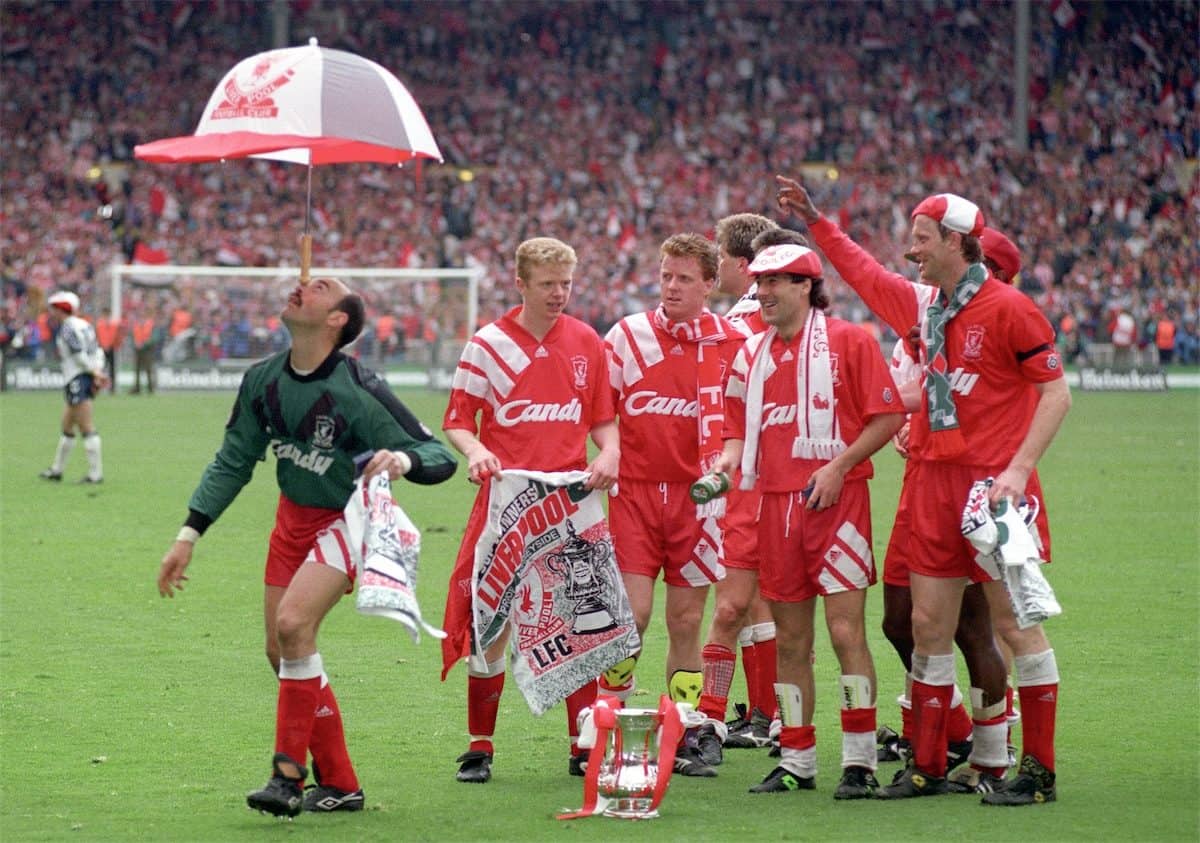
x,y
67,302
794,260
952,211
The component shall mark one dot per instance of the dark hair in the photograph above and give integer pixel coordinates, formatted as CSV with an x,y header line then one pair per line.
x,y
351,305
817,297
778,237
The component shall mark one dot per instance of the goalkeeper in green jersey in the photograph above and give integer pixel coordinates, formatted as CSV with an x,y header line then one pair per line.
x,y
315,408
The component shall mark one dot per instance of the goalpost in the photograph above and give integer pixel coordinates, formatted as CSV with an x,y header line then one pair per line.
x,y
443,301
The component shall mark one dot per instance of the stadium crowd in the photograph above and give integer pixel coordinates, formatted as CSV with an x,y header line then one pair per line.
x,y
609,125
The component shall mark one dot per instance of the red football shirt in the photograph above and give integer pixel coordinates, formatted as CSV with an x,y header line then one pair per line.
x,y
997,348
655,383
862,388
537,401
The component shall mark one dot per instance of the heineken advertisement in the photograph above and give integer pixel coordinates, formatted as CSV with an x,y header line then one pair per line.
x,y
1133,380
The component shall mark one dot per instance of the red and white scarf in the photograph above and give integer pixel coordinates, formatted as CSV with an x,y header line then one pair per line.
x,y
707,331
817,436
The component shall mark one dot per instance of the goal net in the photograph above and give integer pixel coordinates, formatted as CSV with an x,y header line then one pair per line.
x,y
214,321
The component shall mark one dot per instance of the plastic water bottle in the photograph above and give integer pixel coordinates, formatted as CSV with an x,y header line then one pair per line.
x,y
708,487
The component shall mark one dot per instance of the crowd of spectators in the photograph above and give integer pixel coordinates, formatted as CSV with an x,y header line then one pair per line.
x,y
610,125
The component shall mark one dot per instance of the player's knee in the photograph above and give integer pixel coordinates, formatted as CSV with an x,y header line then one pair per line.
x,y
728,616
1024,641
684,623
292,627
847,634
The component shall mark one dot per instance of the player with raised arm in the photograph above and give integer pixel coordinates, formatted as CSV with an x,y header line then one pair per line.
x,y
529,389
316,409
992,399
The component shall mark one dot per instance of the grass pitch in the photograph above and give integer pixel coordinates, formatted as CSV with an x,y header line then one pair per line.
x,y
127,717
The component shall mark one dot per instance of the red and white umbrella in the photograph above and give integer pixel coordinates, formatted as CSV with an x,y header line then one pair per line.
x,y
307,105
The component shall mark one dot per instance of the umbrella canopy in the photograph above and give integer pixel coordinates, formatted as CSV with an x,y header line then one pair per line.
x,y
308,105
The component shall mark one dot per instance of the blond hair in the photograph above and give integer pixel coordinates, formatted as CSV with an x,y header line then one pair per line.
x,y
691,245
543,251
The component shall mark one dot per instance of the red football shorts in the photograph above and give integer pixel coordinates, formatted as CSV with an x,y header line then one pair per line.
x,y
740,528
934,495
654,528
297,536
806,553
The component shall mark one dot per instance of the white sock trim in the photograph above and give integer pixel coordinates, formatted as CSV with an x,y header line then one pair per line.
x,y
799,762
858,750
989,745
763,632
1036,669
934,670
307,667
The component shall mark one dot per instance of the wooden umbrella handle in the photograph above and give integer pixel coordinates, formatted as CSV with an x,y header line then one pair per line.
x,y
305,257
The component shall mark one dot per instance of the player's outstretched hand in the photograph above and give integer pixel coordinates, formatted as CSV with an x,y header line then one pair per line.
x,y
793,198
171,576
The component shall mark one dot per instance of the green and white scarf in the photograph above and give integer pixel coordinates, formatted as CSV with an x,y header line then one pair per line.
x,y
946,440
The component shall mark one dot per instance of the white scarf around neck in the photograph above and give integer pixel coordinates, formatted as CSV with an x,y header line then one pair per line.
x,y
817,436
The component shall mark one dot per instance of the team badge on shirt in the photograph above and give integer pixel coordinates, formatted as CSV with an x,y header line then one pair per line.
x,y
323,430
973,346
579,365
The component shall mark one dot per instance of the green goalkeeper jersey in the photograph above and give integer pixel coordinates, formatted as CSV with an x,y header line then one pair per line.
x,y
315,424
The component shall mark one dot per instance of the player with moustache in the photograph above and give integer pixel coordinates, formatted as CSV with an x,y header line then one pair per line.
x,y
316,409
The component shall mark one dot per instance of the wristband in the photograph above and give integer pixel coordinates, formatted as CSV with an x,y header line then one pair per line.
x,y
187,534
405,461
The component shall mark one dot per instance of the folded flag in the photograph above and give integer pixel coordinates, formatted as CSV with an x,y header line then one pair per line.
x,y
385,546
1006,534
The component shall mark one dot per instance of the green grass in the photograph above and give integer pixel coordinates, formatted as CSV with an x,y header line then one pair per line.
x,y
127,717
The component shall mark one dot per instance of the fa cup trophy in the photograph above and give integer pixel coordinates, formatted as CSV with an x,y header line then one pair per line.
x,y
629,773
